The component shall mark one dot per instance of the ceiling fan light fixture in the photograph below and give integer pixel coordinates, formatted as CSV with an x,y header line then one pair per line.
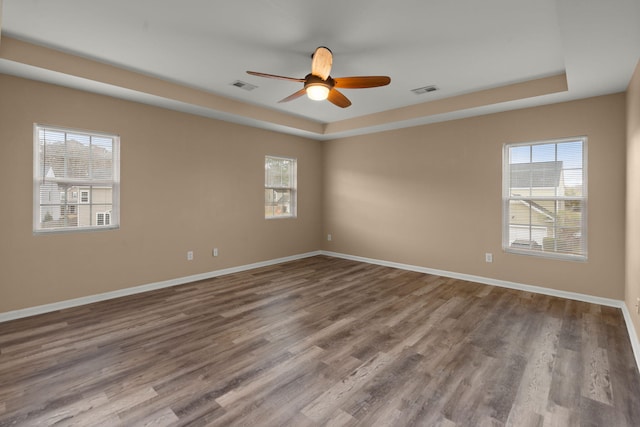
x,y
317,92
319,85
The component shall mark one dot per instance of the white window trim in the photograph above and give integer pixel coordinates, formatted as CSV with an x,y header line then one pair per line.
x,y
506,198
293,189
114,183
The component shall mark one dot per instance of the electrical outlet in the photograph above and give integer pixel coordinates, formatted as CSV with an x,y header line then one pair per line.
x,y
215,251
189,255
638,305
328,237
488,257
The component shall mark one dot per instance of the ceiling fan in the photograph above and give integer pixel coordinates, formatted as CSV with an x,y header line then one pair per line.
x,y
319,85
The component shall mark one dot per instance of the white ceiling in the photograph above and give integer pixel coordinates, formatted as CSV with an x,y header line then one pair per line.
x,y
461,46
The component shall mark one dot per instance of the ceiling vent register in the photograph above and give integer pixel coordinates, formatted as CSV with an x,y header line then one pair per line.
x,y
422,90
244,85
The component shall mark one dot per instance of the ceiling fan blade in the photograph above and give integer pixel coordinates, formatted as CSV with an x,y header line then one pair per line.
x,y
293,96
361,82
336,97
273,76
321,63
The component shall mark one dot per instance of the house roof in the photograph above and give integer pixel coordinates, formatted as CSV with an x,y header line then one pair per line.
x,y
536,174
483,57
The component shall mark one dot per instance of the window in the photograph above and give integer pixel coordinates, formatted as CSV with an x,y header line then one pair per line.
x,y
76,180
103,218
279,187
545,198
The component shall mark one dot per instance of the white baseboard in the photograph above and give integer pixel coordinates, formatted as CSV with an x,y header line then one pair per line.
x,y
633,337
61,305
484,280
41,309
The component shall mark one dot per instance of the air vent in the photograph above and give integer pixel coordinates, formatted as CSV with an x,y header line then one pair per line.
x,y
421,90
243,85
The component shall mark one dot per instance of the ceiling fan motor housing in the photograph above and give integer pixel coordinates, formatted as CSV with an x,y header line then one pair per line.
x,y
311,80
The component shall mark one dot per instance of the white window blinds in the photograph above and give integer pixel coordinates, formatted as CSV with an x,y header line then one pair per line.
x,y
280,187
76,180
545,198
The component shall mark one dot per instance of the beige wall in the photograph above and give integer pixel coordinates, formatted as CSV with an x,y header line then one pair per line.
x,y
632,289
188,183
428,196
431,196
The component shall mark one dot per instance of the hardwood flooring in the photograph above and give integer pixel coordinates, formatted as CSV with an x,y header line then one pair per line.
x,y
322,341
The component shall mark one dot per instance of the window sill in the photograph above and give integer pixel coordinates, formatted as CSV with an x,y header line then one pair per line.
x,y
547,255
75,230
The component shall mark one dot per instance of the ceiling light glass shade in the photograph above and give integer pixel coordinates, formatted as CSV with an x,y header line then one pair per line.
x,y
317,92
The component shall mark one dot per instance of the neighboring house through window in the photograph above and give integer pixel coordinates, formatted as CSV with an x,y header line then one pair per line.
x,y
280,187
76,180
545,198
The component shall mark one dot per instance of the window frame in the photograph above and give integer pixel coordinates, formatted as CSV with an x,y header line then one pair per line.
x,y
507,198
113,183
292,188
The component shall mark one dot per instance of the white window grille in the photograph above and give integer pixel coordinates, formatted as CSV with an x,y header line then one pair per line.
x,y
545,198
280,187
76,176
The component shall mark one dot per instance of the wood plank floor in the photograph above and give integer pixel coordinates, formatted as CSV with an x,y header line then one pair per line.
x,y
322,341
